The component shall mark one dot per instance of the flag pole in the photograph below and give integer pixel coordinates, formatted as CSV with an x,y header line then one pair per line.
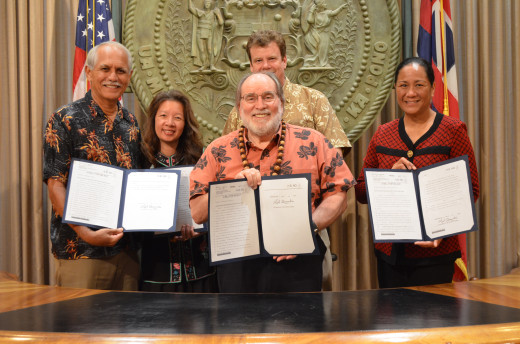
x,y
446,109
87,83
86,41
459,262
94,23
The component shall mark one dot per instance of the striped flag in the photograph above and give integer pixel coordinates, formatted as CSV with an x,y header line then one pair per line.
x,y
435,44
93,26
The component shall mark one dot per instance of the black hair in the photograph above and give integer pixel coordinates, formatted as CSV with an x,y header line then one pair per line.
x,y
421,62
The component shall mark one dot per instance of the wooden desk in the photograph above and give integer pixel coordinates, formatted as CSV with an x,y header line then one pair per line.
x,y
483,311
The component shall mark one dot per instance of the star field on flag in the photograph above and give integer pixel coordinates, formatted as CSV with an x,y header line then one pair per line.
x,y
93,26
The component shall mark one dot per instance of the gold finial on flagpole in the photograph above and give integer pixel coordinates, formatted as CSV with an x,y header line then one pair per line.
x,y
446,109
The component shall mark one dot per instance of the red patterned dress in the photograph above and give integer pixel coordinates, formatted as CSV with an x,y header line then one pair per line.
x,y
447,138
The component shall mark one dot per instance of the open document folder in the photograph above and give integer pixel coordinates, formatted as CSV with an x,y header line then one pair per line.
x,y
275,219
429,203
183,200
101,195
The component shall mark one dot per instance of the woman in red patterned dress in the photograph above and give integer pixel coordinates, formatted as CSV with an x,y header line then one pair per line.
x,y
420,138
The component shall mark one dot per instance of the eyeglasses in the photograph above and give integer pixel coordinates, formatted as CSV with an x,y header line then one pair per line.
x,y
267,97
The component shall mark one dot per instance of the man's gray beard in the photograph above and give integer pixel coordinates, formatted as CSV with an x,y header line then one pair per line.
x,y
270,129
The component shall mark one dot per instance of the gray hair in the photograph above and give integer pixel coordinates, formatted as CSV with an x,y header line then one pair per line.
x,y
272,76
92,54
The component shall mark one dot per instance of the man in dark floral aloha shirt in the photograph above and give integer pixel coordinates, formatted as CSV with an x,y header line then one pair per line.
x,y
95,128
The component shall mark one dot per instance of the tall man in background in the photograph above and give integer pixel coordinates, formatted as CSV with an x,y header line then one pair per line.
x,y
95,128
304,106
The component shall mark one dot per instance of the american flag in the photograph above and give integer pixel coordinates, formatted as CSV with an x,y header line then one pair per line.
x,y
93,26
435,44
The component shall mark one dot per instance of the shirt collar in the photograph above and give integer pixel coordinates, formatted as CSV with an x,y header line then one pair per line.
x,y
96,109
167,161
275,140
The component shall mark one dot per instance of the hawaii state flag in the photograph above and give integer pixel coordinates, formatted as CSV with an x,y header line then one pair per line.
x,y
435,44
93,26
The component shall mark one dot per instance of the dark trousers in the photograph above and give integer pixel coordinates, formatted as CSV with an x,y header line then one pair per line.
x,y
394,276
265,275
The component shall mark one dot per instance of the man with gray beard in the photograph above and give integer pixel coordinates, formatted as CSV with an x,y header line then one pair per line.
x,y
265,145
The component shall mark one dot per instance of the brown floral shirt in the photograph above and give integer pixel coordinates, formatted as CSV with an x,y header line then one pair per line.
x,y
81,130
305,107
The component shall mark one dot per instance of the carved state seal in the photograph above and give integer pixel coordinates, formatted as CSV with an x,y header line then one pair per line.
x,y
347,49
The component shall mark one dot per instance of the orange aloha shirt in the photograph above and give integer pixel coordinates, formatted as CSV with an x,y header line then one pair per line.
x,y
306,151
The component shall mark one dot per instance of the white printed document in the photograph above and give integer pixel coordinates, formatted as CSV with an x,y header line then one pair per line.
x,y
275,219
422,205
183,203
101,195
